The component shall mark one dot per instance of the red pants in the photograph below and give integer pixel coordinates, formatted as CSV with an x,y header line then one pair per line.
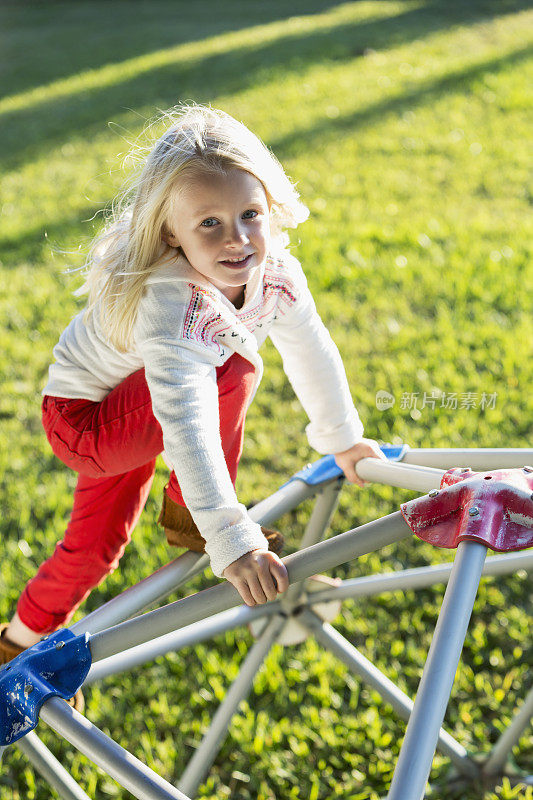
x,y
113,445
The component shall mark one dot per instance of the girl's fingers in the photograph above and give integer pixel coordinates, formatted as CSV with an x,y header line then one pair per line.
x,y
268,584
256,590
281,576
353,477
269,578
245,593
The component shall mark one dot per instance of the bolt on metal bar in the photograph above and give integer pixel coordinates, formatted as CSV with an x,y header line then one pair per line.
x,y
122,766
289,496
206,752
324,555
416,755
50,768
419,577
332,640
499,753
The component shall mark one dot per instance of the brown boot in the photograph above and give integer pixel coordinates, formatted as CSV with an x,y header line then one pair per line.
x,y
181,530
8,651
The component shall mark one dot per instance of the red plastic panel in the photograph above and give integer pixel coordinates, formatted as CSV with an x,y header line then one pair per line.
x,y
494,508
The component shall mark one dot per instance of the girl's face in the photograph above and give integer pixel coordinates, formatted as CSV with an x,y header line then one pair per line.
x,y
222,224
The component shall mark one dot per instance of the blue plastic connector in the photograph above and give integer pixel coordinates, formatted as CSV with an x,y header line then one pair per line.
x,y
54,667
325,469
394,452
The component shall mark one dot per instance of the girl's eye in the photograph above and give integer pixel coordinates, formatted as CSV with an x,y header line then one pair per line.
x,y
249,214
210,222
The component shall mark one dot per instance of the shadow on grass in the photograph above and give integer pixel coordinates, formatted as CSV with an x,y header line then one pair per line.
x,y
30,245
30,132
428,93
59,32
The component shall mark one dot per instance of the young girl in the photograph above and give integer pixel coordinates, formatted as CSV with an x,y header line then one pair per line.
x,y
184,286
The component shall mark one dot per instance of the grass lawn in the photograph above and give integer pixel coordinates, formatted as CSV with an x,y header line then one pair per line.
x,y
405,124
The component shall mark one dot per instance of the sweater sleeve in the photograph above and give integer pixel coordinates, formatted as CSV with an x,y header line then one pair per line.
x,y
181,378
315,370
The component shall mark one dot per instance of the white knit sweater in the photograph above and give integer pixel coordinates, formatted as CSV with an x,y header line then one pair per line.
x,y
185,329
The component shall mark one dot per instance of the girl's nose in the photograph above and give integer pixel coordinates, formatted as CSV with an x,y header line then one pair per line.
x,y
237,234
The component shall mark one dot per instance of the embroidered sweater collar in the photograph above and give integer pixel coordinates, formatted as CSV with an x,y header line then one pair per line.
x,y
182,270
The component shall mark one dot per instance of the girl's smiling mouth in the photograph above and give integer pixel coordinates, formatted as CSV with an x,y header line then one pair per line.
x,y
238,263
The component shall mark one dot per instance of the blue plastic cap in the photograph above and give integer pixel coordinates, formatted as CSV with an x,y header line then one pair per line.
x,y
54,667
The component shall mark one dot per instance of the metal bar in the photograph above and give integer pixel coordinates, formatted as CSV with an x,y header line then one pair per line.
x,y
418,578
408,476
500,752
163,582
50,768
192,634
478,458
166,580
332,640
324,555
319,522
285,499
122,766
416,756
323,511
206,752
212,626
136,598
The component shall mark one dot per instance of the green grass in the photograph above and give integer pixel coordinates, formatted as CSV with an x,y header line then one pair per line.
x,y
406,126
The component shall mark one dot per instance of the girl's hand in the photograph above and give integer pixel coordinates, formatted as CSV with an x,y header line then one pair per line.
x,y
366,448
258,576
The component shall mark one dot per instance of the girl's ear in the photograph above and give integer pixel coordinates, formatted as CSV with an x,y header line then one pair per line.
x,y
168,238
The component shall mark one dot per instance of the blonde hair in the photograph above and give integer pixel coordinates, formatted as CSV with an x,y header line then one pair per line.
x,y
127,251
